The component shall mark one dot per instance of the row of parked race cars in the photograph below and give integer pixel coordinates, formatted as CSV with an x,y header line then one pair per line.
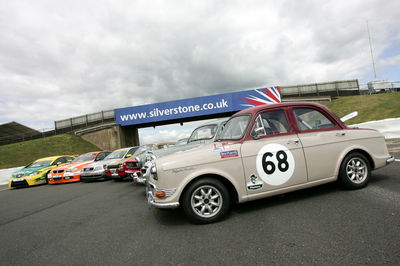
x,y
259,152
101,165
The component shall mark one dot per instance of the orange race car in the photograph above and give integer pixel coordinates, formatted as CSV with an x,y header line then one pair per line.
x,y
72,172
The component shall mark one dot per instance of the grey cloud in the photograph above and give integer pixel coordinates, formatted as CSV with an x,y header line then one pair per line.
x,y
59,60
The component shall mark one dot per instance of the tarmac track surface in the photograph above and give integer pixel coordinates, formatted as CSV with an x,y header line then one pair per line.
x,y
109,223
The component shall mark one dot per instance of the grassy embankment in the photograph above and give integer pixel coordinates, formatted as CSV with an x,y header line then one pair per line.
x,y
22,153
369,107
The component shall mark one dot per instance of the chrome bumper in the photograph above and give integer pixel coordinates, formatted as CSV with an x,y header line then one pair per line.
x,y
150,188
135,178
390,160
139,180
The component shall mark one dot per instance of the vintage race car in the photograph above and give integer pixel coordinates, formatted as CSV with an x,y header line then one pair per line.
x,y
96,170
36,173
203,134
130,167
72,172
265,151
116,169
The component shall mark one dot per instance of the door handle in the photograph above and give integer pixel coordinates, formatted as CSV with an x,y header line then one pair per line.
x,y
340,134
296,142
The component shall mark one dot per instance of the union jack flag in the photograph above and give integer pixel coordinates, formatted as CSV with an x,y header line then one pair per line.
x,y
264,96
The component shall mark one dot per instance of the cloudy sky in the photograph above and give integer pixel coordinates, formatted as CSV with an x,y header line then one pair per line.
x,y
60,59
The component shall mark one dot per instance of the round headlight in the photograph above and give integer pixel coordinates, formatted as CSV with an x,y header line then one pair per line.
x,y
153,169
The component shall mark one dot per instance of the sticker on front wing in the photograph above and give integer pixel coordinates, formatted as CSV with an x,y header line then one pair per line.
x,y
229,154
254,183
275,164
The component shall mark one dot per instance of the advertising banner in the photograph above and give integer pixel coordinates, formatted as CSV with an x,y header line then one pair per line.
x,y
200,106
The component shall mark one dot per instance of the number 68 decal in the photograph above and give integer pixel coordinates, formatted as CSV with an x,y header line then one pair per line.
x,y
275,164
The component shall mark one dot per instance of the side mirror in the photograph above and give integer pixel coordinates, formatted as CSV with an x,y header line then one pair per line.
x,y
128,155
258,132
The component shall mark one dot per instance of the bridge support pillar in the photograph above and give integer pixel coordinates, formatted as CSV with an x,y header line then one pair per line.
x,y
113,137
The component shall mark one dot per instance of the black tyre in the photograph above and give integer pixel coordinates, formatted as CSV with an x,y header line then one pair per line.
x,y
206,201
355,171
47,177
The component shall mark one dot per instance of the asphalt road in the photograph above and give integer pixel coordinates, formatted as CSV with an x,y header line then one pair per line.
x,y
109,223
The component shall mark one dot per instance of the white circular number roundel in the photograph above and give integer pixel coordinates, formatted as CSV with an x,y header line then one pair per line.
x,y
275,164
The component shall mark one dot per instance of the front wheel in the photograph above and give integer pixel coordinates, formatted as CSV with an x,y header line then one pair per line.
x,y
355,171
205,201
47,178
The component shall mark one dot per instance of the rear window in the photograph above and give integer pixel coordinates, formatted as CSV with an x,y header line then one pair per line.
x,y
310,119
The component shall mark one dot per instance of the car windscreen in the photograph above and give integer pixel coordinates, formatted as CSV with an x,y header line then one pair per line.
x,y
143,149
234,128
203,133
39,164
118,154
182,142
85,157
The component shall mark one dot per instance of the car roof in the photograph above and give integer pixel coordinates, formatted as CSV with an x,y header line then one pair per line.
x,y
126,148
256,109
215,121
97,152
52,158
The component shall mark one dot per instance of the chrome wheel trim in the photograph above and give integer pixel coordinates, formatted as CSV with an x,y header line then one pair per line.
x,y
356,170
206,201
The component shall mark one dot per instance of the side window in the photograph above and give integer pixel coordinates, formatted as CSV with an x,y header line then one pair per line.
x,y
59,160
309,119
101,156
131,151
68,159
270,123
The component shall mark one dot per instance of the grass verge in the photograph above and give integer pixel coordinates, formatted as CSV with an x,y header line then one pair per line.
x,y
369,107
22,153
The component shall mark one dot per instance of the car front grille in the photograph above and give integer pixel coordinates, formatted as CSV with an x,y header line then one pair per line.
x,y
131,165
22,183
58,171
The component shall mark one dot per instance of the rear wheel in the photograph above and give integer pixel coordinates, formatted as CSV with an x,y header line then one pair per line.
x,y
205,201
355,171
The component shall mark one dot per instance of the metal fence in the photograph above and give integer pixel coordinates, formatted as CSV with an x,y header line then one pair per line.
x,y
25,136
334,88
70,124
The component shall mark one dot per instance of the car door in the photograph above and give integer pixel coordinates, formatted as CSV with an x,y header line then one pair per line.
x,y
323,140
274,158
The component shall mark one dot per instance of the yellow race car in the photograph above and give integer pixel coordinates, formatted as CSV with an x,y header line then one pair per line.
x,y
36,173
